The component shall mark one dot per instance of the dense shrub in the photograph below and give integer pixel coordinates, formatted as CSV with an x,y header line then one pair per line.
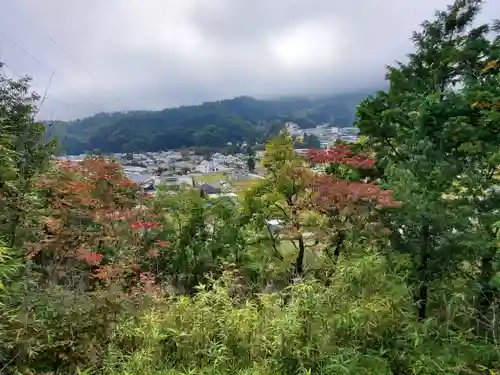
x,y
363,323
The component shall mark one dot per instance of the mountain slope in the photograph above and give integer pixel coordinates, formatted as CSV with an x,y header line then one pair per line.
x,y
210,124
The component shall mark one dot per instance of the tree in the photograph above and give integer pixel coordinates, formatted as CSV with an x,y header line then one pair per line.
x,y
95,152
251,164
95,194
345,195
250,151
209,136
477,186
89,244
418,129
203,235
313,142
307,141
285,189
25,152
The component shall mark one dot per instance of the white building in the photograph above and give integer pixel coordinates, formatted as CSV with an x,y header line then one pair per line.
x,y
134,169
292,127
207,167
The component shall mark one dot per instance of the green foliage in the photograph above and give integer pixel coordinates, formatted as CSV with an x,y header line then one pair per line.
x,y
9,267
59,328
205,235
285,190
308,141
251,164
97,277
207,125
420,128
25,153
361,323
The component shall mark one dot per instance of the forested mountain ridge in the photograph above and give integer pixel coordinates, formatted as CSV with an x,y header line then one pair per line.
x,y
211,124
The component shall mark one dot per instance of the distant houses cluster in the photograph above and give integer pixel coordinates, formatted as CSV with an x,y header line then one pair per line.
x,y
326,133
173,168
187,169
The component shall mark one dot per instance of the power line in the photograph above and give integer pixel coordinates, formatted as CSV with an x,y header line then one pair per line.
x,y
24,50
64,51
74,61
3,63
21,48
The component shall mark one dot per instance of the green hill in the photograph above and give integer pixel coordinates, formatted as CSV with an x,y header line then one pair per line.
x,y
210,124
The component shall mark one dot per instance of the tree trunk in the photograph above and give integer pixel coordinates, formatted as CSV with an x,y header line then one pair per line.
x,y
338,246
485,276
421,296
336,243
486,292
16,220
299,265
273,241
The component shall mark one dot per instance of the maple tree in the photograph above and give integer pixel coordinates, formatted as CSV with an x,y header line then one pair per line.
x,y
341,194
91,212
342,154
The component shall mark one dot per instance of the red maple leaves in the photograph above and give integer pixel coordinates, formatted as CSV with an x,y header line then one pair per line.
x,y
342,154
141,224
89,257
94,183
162,243
153,253
93,194
333,194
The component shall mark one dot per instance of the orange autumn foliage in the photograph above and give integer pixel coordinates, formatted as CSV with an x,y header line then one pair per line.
x,y
335,196
91,206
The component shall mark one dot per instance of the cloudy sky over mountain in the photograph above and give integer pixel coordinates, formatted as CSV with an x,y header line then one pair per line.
x,y
136,54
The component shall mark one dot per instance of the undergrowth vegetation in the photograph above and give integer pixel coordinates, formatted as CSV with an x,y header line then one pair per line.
x,y
386,263
362,323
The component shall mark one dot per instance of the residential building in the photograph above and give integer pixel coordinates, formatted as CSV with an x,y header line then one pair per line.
x,y
208,167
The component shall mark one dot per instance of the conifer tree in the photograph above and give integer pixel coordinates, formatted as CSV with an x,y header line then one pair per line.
x,y
419,128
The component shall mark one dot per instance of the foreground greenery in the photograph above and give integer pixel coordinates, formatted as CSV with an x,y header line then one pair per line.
x,y
387,263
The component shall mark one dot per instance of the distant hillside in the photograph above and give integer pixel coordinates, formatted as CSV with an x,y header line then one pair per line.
x,y
211,124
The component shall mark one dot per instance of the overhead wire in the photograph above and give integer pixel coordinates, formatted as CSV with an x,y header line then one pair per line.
x,y
44,65
82,69
74,62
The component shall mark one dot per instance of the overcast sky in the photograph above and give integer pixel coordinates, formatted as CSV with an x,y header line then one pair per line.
x,y
114,55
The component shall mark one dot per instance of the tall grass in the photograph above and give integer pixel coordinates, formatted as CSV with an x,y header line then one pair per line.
x,y
362,323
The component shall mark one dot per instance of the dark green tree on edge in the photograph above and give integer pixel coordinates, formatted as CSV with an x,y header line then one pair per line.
x,y
251,164
423,128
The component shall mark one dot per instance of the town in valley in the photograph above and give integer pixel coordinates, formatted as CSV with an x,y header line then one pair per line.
x,y
218,175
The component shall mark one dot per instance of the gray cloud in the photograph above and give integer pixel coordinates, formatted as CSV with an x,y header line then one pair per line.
x,y
134,54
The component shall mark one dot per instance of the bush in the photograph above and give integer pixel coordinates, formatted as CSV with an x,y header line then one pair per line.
x,y
55,328
363,323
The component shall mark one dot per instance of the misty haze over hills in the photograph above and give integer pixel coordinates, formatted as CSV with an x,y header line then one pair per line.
x,y
96,56
211,124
